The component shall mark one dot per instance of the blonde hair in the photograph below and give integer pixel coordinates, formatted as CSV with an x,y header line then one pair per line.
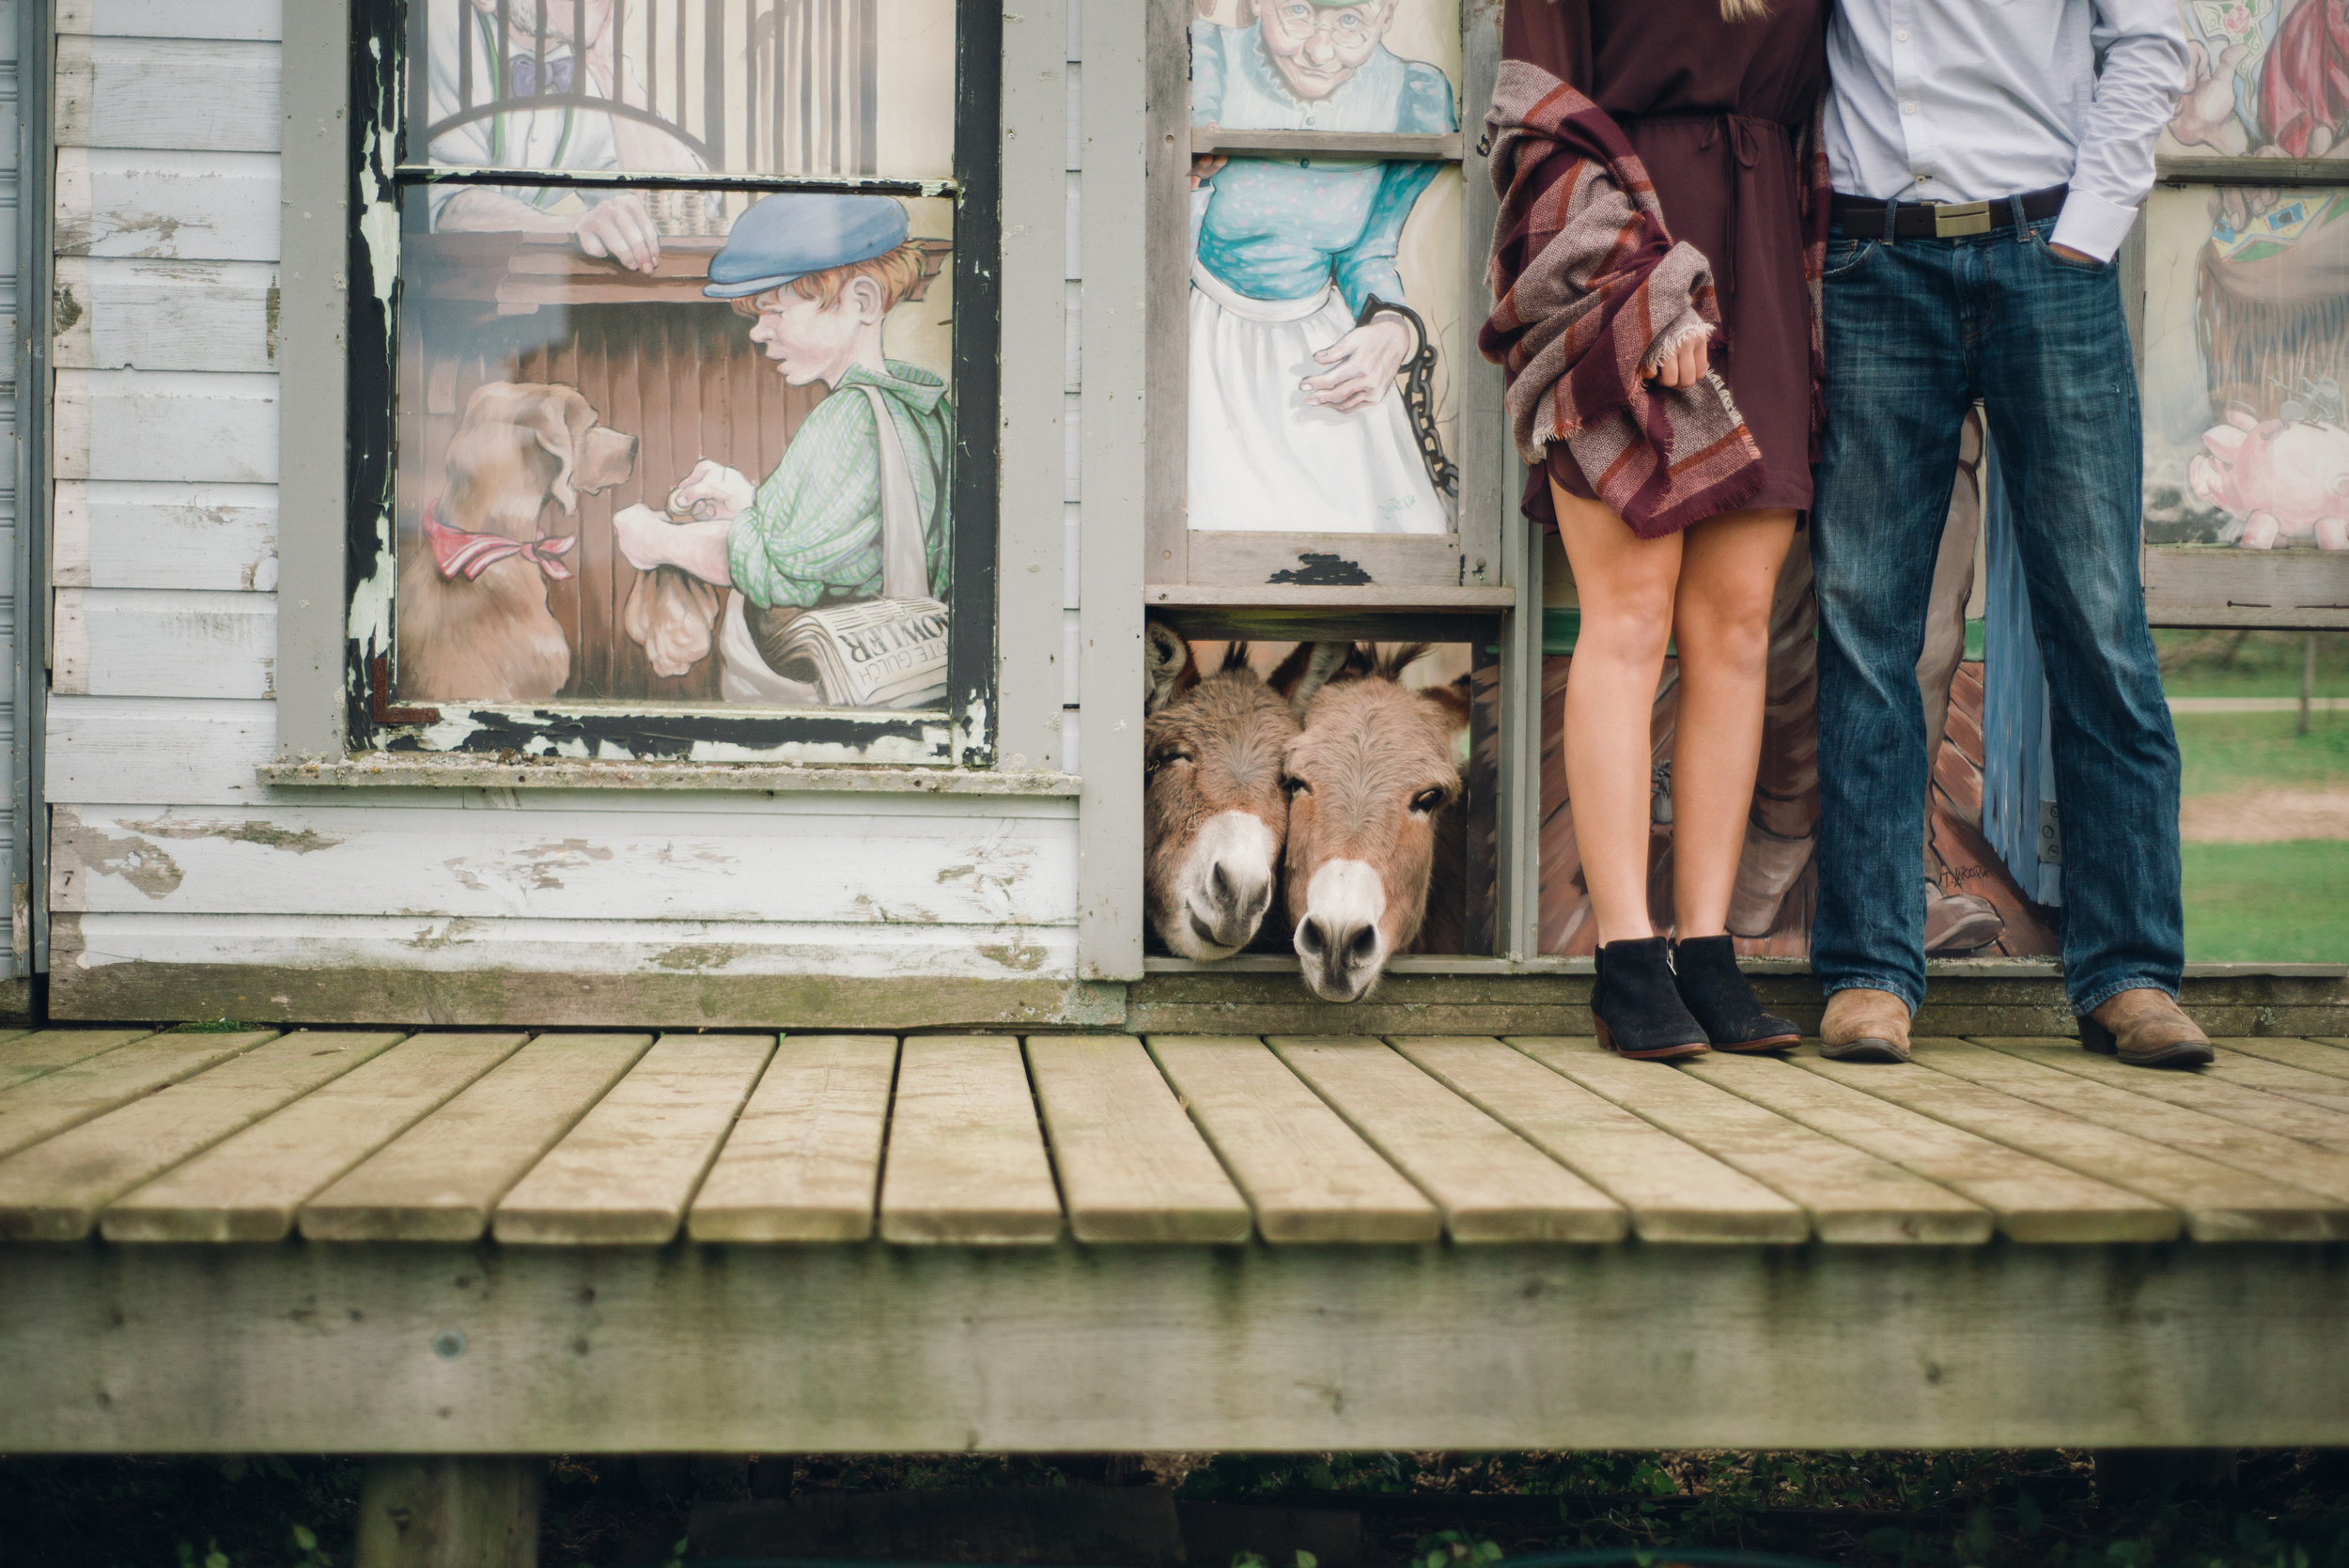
x,y
1745,11
896,273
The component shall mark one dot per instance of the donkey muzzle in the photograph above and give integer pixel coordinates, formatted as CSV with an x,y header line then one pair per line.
x,y
1338,941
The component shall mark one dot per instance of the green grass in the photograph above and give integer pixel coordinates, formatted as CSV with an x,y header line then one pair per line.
x,y
2225,752
2268,903
2249,663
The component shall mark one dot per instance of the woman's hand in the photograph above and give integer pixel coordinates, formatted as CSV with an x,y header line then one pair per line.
x,y
1362,364
620,228
1205,168
726,490
1686,365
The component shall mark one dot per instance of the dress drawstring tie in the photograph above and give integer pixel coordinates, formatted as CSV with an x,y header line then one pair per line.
x,y
1741,135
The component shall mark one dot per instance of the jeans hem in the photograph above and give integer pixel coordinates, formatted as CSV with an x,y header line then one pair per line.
x,y
1913,999
2099,996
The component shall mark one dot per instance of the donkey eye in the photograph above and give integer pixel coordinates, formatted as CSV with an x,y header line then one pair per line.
x,y
1162,758
1426,800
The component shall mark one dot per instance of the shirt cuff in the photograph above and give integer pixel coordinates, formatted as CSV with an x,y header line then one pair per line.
x,y
2093,225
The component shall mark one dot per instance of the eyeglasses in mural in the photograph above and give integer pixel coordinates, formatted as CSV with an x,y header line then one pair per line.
x,y
1325,289
664,444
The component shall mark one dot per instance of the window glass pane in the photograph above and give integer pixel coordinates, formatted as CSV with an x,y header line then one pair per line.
x,y
675,86
1325,298
561,414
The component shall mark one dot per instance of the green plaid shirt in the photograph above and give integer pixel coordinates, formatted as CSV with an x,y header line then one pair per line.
x,y
813,527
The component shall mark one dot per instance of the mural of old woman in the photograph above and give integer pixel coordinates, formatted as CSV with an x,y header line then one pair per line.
x,y
1295,337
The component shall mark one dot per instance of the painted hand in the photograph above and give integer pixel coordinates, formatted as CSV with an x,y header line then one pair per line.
x,y
1684,366
725,490
1362,366
1204,169
645,537
2207,114
620,228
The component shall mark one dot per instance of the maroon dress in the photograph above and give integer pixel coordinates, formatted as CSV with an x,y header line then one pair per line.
x,y
1716,111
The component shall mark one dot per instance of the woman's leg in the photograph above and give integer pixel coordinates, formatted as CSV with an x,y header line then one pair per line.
x,y
1625,585
1721,623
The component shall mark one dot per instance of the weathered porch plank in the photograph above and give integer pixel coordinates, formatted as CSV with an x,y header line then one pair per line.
x,y
804,1160
966,1159
1307,1176
2323,1054
439,1179
2035,1200
54,1190
2220,1203
247,1187
2286,1161
1254,1349
626,1173
1490,1184
1675,1192
69,1095
1132,1166
1852,1195
2255,1072
2204,1092
26,1055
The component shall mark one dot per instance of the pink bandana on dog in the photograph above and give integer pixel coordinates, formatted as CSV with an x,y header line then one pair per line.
x,y
456,551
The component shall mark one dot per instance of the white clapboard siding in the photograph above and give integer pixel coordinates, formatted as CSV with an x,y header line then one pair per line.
x,y
178,205
142,751
172,18
208,95
110,534
580,864
457,945
166,424
164,643
129,313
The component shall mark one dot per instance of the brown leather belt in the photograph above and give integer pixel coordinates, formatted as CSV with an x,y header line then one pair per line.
x,y
1861,218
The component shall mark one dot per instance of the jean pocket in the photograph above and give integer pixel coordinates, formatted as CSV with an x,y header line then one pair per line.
x,y
2094,269
1843,255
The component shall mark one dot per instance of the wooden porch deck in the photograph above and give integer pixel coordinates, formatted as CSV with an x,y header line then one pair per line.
x,y
789,1241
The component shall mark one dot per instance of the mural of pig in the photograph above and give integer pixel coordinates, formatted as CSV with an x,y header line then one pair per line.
x,y
2283,481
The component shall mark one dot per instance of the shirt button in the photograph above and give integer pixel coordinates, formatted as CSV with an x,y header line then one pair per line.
x,y
1908,108
1901,36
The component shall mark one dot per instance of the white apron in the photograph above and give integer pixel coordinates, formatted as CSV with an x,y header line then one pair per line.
x,y
1264,460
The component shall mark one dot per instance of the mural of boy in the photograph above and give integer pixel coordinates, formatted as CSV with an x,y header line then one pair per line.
x,y
471,62
818,273
1296,424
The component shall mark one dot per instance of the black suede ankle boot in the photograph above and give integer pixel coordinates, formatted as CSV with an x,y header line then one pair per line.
x,y
1719,994
1637,1007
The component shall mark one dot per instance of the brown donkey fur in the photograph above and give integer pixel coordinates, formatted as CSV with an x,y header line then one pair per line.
x,y
492,638
1377,836
1213,813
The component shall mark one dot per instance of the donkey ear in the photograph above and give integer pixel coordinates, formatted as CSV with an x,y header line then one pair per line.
x,y
1168,667
1452,698
1302,679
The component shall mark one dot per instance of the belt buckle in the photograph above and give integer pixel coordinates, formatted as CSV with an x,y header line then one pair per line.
x,y
1953,220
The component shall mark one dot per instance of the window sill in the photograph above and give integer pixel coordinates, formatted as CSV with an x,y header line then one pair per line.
x,y
409,770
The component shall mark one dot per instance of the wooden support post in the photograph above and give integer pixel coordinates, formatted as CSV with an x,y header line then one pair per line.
x,y
447,1511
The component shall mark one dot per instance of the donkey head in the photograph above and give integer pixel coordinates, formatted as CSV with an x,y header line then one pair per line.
x,y
1368,778
1213,817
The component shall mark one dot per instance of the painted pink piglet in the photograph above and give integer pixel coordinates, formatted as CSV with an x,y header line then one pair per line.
x,y
2287,480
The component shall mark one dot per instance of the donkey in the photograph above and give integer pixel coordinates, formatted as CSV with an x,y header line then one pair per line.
x,y
1213,816
1377,836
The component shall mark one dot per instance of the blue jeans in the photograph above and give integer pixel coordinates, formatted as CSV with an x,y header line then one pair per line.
x,y
1916,330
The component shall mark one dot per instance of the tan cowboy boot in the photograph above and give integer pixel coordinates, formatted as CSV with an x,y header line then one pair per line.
x,y
2145,1028
1864,1026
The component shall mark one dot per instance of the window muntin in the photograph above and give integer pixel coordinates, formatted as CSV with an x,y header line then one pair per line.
x,y
557,339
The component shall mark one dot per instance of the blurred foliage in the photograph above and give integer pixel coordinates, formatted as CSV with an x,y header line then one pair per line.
x,y
2239,662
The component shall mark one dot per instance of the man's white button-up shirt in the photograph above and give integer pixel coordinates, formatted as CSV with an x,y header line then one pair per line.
x,y
1969,100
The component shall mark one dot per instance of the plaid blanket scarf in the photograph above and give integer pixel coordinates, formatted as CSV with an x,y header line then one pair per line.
x,y
1591,292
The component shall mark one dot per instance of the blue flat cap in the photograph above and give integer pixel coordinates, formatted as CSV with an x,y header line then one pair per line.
x,y
794,233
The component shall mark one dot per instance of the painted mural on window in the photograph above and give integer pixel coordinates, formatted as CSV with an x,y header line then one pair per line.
x,y
2246,302
1325,289
667,445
